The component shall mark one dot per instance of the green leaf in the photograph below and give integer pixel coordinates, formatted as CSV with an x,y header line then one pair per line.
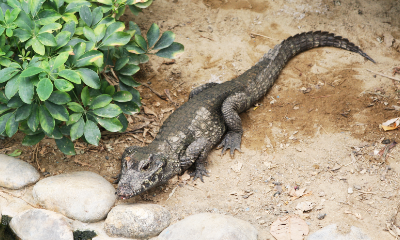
x,y
22,34
153,34
49,28
23,112
117,38
59,97
123,121
13,4
44,89
75,6
85,96
26,90
47,39
122,96
129,69
97,15
89,77
16,153
12,87
56,134
73,118
134,49
88,58
101,101
48,17
59,3
66,146
37,46
172,51
109,111
69,26
89,34
3,98
13,15
63,85
68,17
62,38
141,42
9,32
144,4
92,133
110,124
135,93
46,120
60,60
30,140
57,111
33,120
7,73
31,71
3,121
128,80
100,32
167,38
11,126
79,50
135,10
106,2
24,21
135,27
70,75
76,107
86,15
34,6
77,129
4,108
114,27
120,63
129,108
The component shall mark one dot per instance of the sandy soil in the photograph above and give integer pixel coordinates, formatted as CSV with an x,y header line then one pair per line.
x,y
323,140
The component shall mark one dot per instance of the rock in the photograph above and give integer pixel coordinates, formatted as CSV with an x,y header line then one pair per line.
x,y
140,221
330,233
41,224
388,39
84,196
15,173
350,190
321,216
210,226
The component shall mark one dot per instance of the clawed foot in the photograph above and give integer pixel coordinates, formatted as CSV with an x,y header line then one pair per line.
x,y
199,173
231,140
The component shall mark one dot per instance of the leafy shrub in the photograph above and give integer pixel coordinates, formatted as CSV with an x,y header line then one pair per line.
x,y
67,65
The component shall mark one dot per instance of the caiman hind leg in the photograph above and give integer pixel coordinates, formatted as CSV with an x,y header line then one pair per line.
x,y
201,88
197,153
232,106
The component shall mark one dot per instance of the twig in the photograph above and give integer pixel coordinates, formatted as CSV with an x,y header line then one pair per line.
x,y
155,92
34,156
206,38
379,94
111,82
383,75
169,97
256,34
113,73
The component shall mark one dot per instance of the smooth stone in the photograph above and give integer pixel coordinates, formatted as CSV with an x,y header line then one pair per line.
x,y
210,226
40,224
84,196
330,233
140,221
15,173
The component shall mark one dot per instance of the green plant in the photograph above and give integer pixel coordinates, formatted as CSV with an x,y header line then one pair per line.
x,y
67,65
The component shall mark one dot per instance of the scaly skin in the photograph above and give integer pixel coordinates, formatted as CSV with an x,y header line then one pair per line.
x,y
189,134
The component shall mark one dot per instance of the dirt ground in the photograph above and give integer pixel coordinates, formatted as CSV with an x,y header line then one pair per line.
x,y
318,127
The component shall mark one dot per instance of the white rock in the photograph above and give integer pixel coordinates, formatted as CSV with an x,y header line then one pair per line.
x,y
210,226
140,221
40,224
84,196
330,233
15,173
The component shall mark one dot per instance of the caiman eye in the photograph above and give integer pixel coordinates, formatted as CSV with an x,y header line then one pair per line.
x,y
146,166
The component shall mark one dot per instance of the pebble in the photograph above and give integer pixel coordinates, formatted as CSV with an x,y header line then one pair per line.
x,y
321,216
15,173
39,224
330,233
210,226
84,196
357,187
139,221
350,190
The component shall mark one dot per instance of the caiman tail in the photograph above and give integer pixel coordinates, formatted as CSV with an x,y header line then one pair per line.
x,y
276,58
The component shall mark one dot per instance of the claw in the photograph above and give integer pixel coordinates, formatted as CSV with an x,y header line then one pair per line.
x,y
199,173
231,141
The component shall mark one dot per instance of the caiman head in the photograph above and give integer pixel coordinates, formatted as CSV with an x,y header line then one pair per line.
x,y
140,172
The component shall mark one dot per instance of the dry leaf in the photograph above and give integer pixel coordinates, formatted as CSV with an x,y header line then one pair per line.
x,y
149,111
305,206
289,228
391,124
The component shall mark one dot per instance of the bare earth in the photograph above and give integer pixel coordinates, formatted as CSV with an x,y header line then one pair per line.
x,y
322,140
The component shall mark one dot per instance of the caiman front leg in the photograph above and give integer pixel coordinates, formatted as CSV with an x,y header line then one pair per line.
x,y
232,106
197,153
